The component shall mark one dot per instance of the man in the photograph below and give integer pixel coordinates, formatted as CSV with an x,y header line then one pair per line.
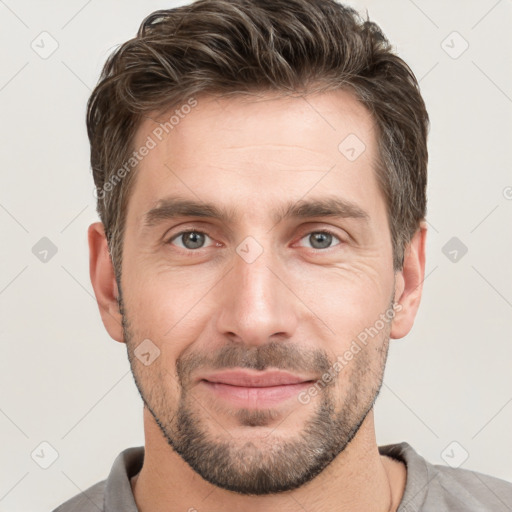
x,y
260,168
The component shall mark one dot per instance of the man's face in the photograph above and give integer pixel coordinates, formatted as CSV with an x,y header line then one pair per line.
x,y
276,284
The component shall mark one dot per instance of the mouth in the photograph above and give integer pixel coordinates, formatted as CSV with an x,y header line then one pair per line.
x,y
255,389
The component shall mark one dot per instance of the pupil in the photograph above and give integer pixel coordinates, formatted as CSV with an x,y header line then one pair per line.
x,y
193,240
320,240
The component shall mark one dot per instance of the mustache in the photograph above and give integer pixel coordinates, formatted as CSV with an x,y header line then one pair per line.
x,y
282,356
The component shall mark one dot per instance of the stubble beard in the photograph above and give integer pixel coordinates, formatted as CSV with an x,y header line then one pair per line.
x,y
263,465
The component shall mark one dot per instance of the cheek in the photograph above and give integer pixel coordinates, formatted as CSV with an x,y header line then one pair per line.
x,y
176,306
171,308
348,298
162,295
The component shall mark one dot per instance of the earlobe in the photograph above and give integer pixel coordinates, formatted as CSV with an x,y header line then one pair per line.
x,y
103,281
409,284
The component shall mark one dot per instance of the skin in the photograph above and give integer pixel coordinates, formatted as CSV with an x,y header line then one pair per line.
x,y
253,156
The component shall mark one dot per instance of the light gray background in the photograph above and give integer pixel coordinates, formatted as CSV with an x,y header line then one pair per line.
x,y
64,381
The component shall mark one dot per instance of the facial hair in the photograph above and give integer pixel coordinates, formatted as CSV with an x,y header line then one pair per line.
x,y
272,464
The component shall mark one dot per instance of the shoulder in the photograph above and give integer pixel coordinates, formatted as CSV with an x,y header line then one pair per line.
x,y
90,500
434,488
462,489
114,493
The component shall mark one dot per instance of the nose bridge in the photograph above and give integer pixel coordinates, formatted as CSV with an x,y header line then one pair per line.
x,y
256,304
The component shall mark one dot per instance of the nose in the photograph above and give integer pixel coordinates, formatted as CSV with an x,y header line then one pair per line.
x,y
257,305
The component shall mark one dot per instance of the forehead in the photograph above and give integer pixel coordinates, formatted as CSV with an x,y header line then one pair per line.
x,y
246,149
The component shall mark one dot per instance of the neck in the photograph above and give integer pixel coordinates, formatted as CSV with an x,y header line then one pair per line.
x,y
359,479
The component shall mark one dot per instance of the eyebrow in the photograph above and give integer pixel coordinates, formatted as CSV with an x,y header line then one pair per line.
x,y
173,207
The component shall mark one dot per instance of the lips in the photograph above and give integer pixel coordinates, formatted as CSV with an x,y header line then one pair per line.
x,y
251,389
249,379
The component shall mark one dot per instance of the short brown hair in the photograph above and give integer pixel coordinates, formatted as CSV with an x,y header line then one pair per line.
x,y
242,46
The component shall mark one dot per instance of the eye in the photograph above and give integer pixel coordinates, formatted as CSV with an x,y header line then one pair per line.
x,y
190,239
320,239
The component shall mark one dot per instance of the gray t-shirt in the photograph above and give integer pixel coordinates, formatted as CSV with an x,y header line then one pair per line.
x,y
429,488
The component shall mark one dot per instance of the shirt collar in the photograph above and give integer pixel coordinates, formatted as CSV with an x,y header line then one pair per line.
x,y
418,475
119,495
118,489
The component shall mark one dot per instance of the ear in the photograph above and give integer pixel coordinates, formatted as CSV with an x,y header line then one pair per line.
x,y
103,281
409,284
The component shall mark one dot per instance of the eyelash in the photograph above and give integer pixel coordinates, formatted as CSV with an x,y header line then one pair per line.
x,y
322,231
